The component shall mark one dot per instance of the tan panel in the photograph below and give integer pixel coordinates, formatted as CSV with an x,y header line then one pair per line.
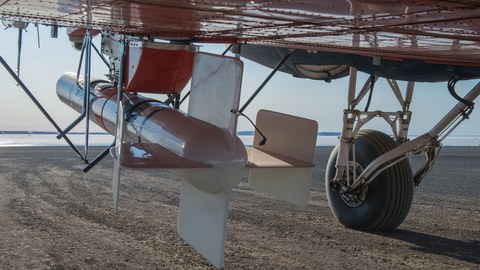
x,y
287,135
260,159
287,184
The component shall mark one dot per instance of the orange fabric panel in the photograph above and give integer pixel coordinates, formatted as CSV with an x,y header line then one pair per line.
x,y
158,71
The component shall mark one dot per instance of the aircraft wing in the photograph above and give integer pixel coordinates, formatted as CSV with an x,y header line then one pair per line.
x,y
443,32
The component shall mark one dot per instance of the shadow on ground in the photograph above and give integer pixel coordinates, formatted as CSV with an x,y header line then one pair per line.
x,y
426,243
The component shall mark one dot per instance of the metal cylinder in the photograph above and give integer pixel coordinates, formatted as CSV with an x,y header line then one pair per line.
x,y
151,121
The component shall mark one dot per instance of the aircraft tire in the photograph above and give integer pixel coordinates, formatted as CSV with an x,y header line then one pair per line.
x,y
386,201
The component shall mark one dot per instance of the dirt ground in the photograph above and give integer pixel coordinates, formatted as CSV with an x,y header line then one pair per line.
x,y
53,216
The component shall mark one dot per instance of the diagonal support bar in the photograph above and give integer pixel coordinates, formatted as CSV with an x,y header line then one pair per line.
x,y
98,158
19,55
277,67
82,115
39,106
86,84
82,53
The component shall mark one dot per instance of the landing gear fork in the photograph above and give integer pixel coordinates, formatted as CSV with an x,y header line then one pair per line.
x,y
369,181
354,120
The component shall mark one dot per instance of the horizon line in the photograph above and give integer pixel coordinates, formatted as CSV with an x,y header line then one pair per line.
x,y
36,132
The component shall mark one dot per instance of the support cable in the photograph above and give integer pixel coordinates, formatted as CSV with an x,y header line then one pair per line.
x,y
264,140
184,97
227,49
101,56
240,112
451,90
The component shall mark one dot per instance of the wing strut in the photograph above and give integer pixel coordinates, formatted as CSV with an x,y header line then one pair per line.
x,y
277,67
82,52
86,84
87,52
39,106
19,55
82,115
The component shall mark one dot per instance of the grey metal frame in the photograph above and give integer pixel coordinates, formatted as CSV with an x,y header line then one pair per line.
x,y
399,121
119,125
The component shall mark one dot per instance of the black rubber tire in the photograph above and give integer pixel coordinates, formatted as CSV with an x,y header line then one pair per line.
x,y
389,196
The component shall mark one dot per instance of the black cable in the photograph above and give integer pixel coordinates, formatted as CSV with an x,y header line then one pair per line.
x,y
451,89
184,97
171,98
145,120
264,140
372,85
135,107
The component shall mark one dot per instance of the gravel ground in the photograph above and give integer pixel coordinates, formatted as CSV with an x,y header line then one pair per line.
x,y
53,216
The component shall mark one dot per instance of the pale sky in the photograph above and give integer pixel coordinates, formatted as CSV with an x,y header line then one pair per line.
x,y
323,102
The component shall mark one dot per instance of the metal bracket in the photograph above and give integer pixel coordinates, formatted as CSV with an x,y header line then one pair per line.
x,y
431,155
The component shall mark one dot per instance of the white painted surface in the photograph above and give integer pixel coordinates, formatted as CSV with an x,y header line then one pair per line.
x,y
202,215
202,221
215,91
117,170
288,184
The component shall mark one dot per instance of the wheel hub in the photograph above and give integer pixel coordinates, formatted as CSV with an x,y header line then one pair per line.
x,y
357,196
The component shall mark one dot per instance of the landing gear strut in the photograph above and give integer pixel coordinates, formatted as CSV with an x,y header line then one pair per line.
x,y
369,181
